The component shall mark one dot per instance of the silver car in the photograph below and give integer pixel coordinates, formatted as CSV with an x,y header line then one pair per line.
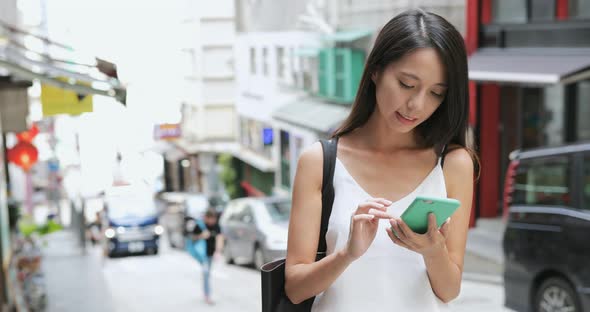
x,y
255,229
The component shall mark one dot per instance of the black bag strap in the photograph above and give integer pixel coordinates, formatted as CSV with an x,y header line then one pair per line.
x,y
443,153
330,148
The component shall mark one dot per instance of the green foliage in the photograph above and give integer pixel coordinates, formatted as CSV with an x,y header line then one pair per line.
x,y
228,175
27,227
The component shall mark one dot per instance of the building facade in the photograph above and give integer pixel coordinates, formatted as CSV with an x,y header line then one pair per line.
x,y
208,104
529,71
271,74
330,69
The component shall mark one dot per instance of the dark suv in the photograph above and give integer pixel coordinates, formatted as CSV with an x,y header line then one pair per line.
x,y
547,237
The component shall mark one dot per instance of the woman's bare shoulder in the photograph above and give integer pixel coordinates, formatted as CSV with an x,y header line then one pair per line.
x,y
458,163
311,163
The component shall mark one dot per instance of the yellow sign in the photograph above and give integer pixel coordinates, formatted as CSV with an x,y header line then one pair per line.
x,y
55,101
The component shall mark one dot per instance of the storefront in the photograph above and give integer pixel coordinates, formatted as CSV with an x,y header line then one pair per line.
x,y
66,88
529,68
256,169
301,124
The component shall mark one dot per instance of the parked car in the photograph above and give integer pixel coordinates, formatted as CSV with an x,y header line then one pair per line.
x,y
131,221
255,229
547,210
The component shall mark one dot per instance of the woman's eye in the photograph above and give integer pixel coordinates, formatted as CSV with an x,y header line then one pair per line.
x,y
405,86
437,95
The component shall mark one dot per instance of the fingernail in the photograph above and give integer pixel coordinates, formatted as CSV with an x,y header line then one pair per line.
x,y
388,202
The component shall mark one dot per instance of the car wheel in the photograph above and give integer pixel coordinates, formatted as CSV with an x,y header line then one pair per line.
x,y
227,254
258,258
556,294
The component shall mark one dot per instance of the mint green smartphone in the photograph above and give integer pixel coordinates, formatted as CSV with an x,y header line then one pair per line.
x,y
416,215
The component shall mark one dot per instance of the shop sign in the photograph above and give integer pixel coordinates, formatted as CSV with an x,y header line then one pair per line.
x,y
267,136
167,131
56,101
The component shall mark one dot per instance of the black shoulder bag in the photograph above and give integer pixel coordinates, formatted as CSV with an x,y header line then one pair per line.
x,y
274,298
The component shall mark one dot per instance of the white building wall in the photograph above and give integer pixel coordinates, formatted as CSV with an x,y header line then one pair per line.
x,y
209,84
218,92
217,31
258,93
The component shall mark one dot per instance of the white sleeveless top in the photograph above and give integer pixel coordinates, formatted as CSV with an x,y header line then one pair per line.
x,y
387,277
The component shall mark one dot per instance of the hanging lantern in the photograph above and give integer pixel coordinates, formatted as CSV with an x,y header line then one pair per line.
x,y
23,154
29,135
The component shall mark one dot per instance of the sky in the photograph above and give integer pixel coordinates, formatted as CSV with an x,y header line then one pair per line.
x,y
139,36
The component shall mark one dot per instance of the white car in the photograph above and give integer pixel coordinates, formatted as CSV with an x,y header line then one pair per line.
x,y
255,229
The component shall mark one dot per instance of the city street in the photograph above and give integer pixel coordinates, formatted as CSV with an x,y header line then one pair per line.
x,y
171,281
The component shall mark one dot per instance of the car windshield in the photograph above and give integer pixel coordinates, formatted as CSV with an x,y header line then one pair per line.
x,y
124,207
279,211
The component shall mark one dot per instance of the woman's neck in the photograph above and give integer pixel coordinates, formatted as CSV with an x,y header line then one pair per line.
x,y
378,137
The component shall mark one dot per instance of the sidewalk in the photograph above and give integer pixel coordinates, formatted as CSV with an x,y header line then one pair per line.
x,y
484,260
74,280
485,240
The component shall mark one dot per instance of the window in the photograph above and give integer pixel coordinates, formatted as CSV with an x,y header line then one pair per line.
x,y
543,114
285,160
543,10
246,214
586,182
280,62
236,211
252,136
293,66
583,110
265,61
543,181
339,73
253,61
279,211
579,8
510,11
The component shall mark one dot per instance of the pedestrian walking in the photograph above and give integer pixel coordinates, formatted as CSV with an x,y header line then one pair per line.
x,y
205,243
405,137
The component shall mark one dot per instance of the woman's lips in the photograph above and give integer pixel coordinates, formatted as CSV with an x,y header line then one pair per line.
x,y
405,120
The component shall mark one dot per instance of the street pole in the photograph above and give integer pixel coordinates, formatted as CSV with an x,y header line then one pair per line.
x,y
29,193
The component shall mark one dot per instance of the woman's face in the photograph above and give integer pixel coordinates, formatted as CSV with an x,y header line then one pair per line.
x,y
410,90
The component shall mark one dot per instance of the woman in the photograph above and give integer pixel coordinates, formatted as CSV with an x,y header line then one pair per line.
x,y
411,110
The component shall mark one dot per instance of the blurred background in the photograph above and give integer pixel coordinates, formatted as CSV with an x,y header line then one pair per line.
x,y
120,120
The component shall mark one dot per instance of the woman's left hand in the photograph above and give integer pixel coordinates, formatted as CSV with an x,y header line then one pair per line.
x,y
426,244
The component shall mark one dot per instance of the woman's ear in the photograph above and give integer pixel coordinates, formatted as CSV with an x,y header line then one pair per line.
x,y
374,77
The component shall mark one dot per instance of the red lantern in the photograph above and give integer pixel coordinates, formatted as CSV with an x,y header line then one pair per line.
x,y
23,154
29,135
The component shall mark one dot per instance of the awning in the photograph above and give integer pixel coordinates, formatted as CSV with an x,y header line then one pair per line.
x,y
251,190
348,35
85,78
307,52
254,159
543,66
313,114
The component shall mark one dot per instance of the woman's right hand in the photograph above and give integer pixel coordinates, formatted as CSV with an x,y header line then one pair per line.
x,y
364,224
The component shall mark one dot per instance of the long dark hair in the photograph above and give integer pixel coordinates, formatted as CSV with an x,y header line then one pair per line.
x,y
406,32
